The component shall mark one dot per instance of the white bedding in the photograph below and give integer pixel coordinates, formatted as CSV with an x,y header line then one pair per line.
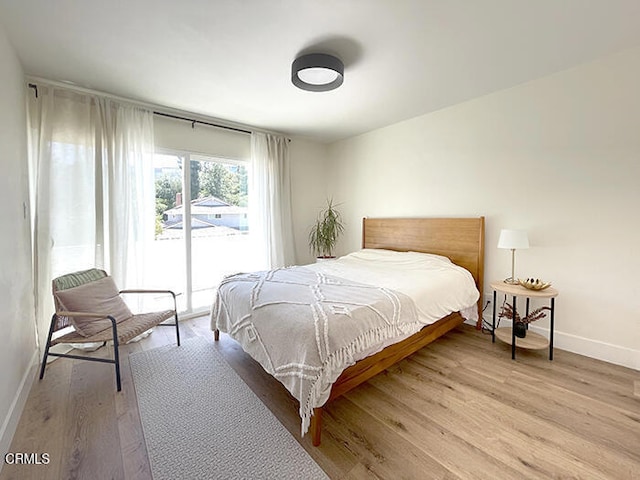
x,y
437,286
305,325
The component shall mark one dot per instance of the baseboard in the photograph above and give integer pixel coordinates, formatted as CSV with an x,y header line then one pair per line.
x,y
13,416
607,352
626,357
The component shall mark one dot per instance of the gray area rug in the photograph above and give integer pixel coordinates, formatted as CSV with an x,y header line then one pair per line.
x,y
201,421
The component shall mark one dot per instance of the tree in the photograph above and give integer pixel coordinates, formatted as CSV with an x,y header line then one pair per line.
x,y
195,179
226,182
243,186
167,187
216,181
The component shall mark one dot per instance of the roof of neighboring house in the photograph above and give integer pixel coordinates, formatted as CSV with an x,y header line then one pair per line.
x,y
203,229
209,202
198,210
229,210
209,206
195,223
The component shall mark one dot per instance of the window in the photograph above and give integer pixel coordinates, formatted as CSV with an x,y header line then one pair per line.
x,y
194,256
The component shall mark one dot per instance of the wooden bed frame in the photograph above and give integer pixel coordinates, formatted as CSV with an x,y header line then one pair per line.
x,y
459,239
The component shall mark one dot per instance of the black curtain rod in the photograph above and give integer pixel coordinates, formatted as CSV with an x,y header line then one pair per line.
x,y
193,122
190,120
35,88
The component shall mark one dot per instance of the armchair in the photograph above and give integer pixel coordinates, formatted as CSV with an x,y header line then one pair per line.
x,y
90,309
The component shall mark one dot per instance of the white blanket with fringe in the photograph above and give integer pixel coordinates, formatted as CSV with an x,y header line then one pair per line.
x,y
305,327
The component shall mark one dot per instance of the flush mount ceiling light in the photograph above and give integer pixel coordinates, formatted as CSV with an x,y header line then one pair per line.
x,y
317,72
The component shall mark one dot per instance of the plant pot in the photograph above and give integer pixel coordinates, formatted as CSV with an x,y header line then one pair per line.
x,y
520,329
323,259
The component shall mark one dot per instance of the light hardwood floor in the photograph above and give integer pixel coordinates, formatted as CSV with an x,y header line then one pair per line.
x,y
459,408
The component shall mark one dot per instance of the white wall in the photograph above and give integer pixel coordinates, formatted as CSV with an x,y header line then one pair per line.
x,y
308,191
17,322
559,157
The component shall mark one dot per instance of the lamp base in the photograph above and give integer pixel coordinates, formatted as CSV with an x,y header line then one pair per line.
x,y
511,281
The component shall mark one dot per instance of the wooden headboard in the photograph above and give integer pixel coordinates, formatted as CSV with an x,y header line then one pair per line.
x,y
459,239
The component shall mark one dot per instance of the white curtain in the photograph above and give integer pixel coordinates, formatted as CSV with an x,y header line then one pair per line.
x,y
270,199
91,179
128,181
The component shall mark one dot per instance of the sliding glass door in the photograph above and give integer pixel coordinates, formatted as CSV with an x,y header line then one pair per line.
x,y
193,255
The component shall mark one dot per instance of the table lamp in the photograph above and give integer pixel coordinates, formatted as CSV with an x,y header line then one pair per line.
x,y
512,240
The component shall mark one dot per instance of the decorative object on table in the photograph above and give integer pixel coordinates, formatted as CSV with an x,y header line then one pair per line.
x,y
326,231
534,283
520,323
512,240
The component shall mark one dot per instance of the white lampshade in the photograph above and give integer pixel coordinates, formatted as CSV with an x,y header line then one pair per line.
x,y
513,239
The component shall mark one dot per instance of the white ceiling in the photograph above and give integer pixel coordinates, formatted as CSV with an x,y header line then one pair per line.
x,y
231,59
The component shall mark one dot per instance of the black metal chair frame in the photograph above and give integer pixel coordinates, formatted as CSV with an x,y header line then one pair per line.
x,y
114,329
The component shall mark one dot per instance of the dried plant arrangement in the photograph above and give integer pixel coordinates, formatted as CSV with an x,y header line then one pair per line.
x,y
537,314
520,323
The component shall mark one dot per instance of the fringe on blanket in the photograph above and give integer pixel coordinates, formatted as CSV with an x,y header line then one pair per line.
x,y
341,359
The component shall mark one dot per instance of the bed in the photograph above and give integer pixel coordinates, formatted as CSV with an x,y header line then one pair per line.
x,y
252,307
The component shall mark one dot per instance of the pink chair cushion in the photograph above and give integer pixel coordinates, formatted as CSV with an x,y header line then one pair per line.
x,y
100,296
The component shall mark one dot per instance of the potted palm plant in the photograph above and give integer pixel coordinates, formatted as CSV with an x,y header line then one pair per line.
x,y
325,232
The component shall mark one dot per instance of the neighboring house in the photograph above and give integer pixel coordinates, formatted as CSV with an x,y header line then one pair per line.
x,y
208,212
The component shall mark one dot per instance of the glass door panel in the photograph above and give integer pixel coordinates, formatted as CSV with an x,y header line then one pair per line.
x,y
192,257
219,225
167,269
